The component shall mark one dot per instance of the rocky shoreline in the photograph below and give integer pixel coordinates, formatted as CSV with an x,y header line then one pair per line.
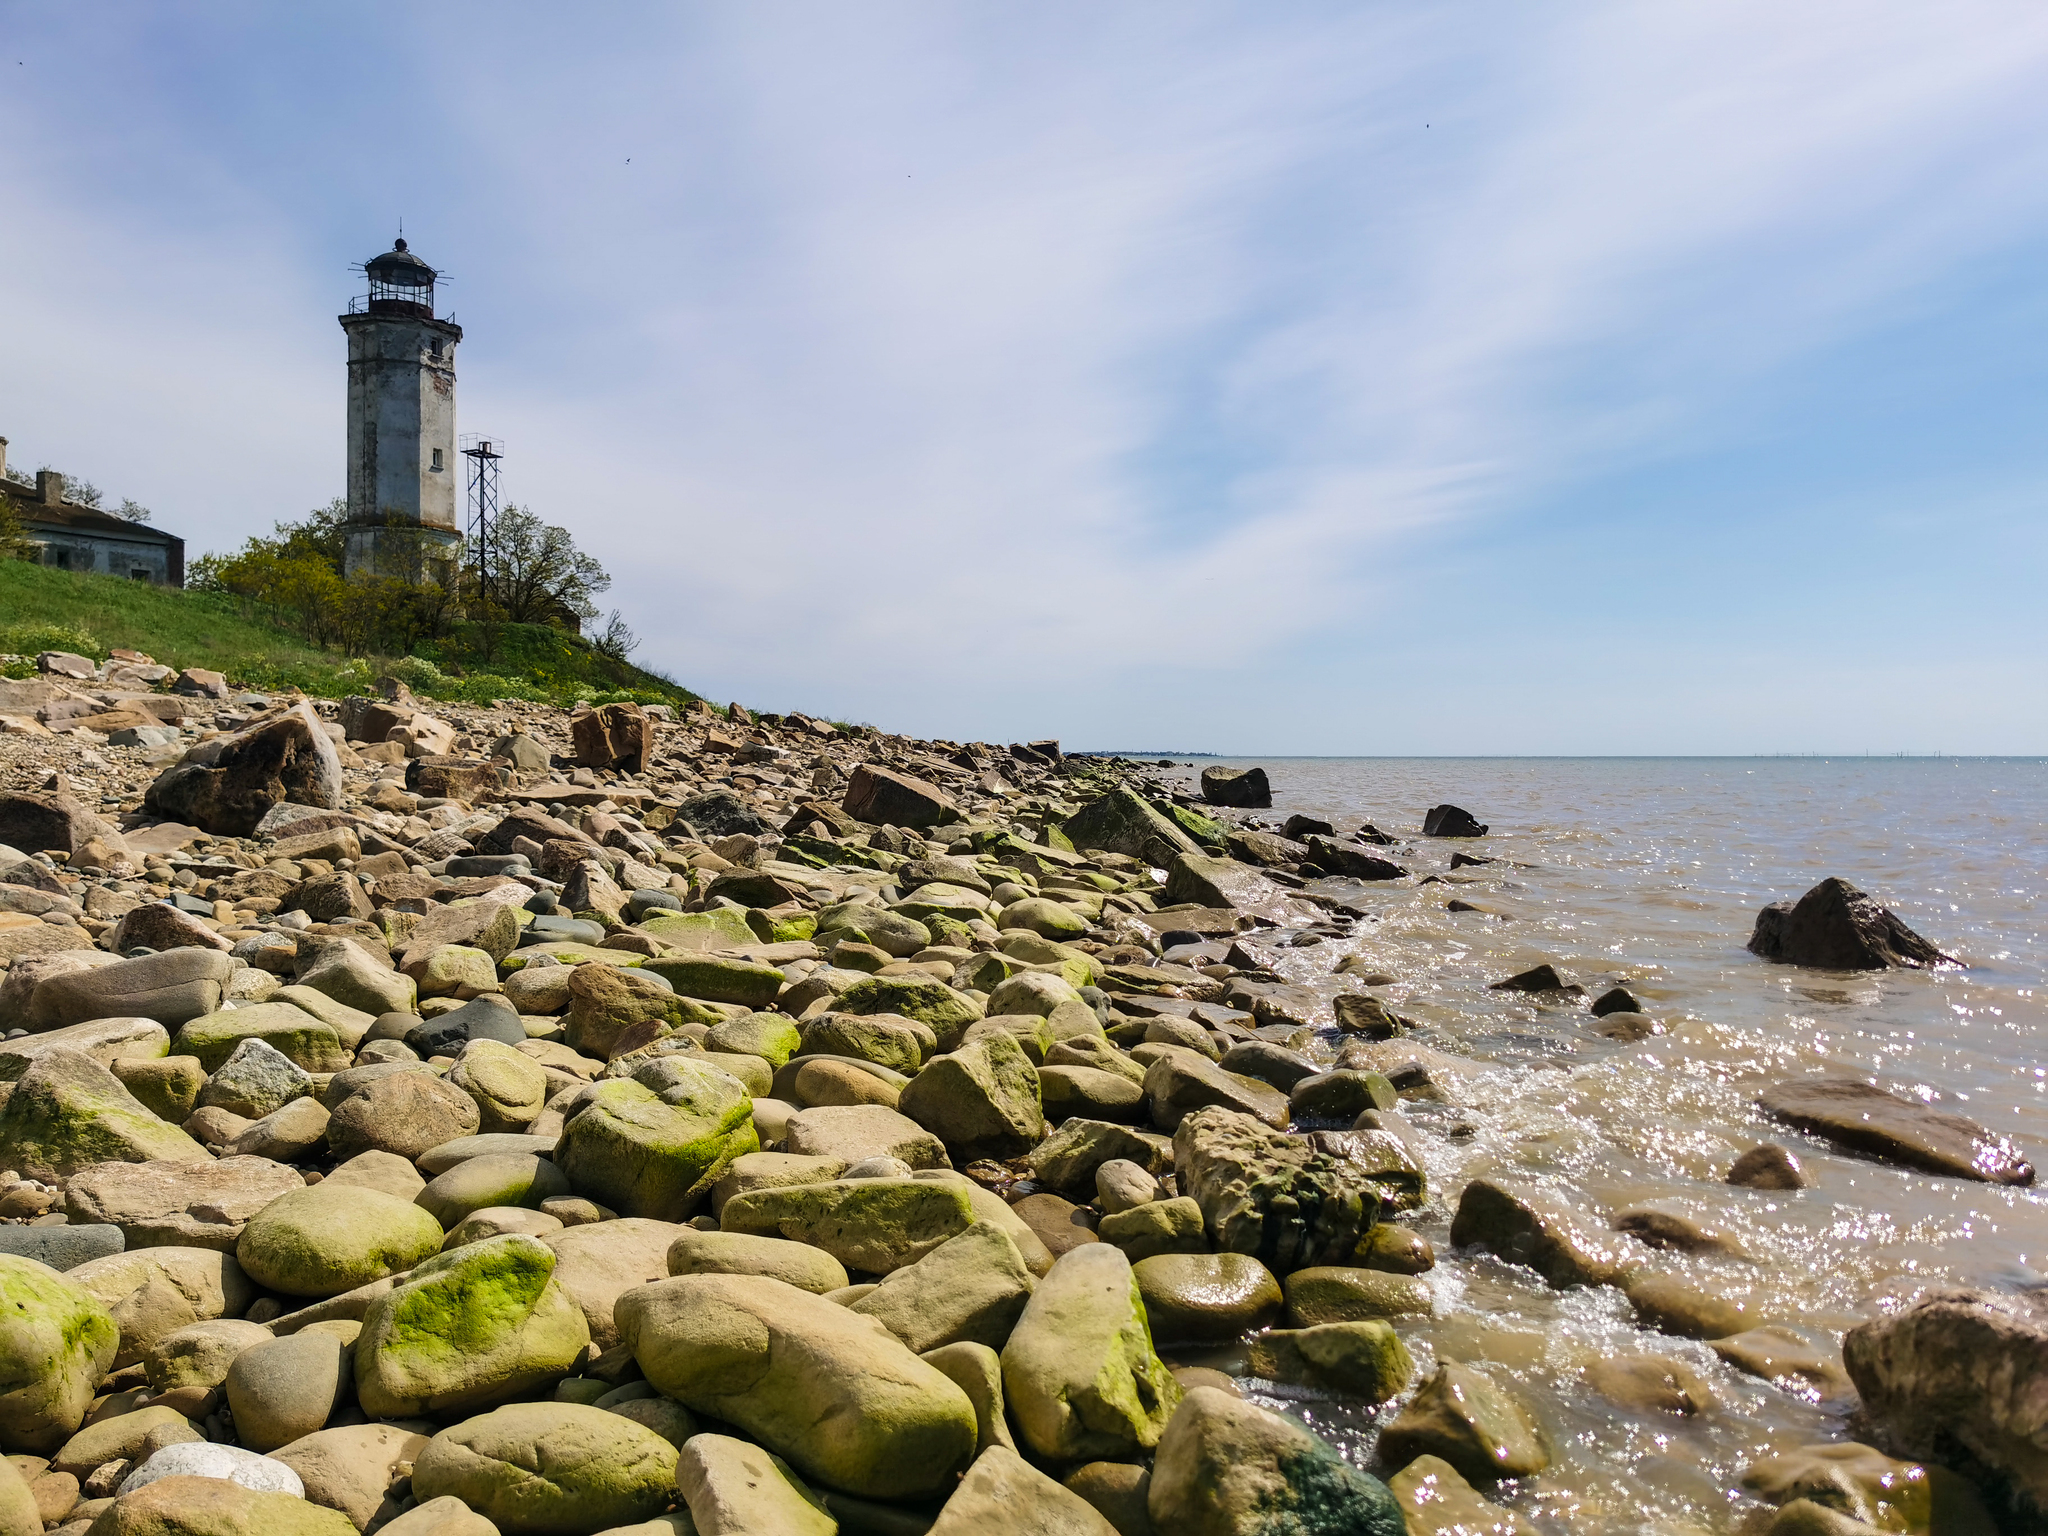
x,y
425,1118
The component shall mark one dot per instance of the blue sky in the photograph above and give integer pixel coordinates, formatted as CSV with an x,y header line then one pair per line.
x,y
1315,379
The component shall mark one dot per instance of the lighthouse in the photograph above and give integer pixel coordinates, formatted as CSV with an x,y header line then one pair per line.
x,y
402,495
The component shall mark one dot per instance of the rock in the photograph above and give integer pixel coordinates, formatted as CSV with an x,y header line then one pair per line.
x,y
878,794
1069,1157
853,1133
1962,1370
550,1469
1271,1064
284,1136
223,1463
1124,822
1225,883
1044,917
495,1179
159,925
1396,1250
344,973
168,1086
199,1354
970,1289
730,1486
1205,1298
1362,1359
1866,1486
1540,980
326,1239
255,1080
22,1511
1059,1224
209,1506
352,1468
1526,1225
1275,1197
1079,1373
1650,1384
1464,1418
722,979
835,1394
509,1087
890,932
48,823
287,1388
876,1225
1436,1501
489,923
1179,1082
1116,1490
62,1248
770,1036
598,1261
170,988
383,1171
1004,1492
1243,787
57,1339
1340,1096
657,1154
1769,1166
1121,1184
1154,1228
977,1371
153,1291
405,1113
456,970
887,1041
489,1017
610,1004
981,1100
1677,1304
178,1204
468,1328
227,786
928,1002
1228,1468
1836,927
1787,1359
1854,1115
449,1516
737,1253
1340,1294
287,1029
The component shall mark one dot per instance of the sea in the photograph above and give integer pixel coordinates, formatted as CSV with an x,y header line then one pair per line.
x,y
1648,873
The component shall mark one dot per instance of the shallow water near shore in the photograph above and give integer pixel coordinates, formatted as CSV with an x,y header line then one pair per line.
x,y
1649,873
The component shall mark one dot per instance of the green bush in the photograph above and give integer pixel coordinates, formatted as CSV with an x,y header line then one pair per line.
x,y
32,637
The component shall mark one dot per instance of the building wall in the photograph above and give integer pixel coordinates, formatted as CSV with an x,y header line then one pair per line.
x,y
401,416
125,558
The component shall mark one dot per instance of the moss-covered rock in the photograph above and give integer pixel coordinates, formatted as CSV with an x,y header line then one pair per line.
x,y
720,979
1474,1425
550,1469
837,1395
283,1027
494,1179
1123,822
981,1100
612,1009
327,1239
644,1153
468,1328
1229,1468
926,1000
878,1225
65,1112
1366,1360
56,1341
771,1036
214,1506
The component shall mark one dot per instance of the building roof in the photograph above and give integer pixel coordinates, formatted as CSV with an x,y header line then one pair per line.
x,y
70,517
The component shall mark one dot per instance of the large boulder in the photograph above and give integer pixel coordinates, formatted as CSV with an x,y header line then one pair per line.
x,y
405,1112
613,736
1855,1115
63,1111
1124,822
1245,788
178,1204
656,1154
971,1288
836,1395
50,823
1836,927
599,1261
171,988
1273,1196
284,1027
227,786
330,1238
156,1291
1451,821
877,1225
57,1340
926,1000
981,1100
1181,1081
467,1329
613,1009
1962,1376
878,794
1079,1372
550,1469
1004,1492
1221,883
1229,1468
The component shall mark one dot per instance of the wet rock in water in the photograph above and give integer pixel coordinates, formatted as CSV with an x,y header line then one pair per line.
x,y
1243,787
1079,1373
1963,1371
1651,1384
1229,1468
1676,1304
1836,927
1854,1115
1769,1166
835,1394
1341,1095
1396,1250
1865,1485
1451,821
1273,1196
1464,1418
1342,1293
1002,1491
228,785
550,1469
1628,1027
1659,1228
1359,1013
1615,1000
1436,1501
1539,979
1786,1359
1361,1359
1524,1224
1206,1298
1298,826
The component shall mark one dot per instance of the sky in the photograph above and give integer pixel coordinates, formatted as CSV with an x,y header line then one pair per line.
x,y
1325,378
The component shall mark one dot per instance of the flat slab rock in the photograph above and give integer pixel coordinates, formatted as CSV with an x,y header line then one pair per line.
x,y
1865,1119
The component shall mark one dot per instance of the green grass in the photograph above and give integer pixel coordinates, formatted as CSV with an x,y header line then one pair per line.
x,y
42,608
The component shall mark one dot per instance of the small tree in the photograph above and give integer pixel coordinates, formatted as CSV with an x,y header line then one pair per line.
x,y
616,640
538,575
15,543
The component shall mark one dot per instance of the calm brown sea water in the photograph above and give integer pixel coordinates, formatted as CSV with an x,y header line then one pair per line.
x,y
1649,872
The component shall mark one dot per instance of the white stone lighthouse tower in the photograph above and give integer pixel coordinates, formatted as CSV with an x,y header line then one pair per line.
x,y
402,493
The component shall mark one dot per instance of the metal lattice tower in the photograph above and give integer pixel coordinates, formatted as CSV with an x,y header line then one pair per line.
x,y
484,455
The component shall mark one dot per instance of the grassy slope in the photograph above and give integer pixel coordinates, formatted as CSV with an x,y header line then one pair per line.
x,y
42,608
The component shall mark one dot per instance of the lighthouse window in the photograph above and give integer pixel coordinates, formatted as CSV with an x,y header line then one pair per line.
x,y
434,346
437,458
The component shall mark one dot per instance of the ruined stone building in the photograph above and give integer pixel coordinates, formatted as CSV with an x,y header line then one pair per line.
x,y
75,537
